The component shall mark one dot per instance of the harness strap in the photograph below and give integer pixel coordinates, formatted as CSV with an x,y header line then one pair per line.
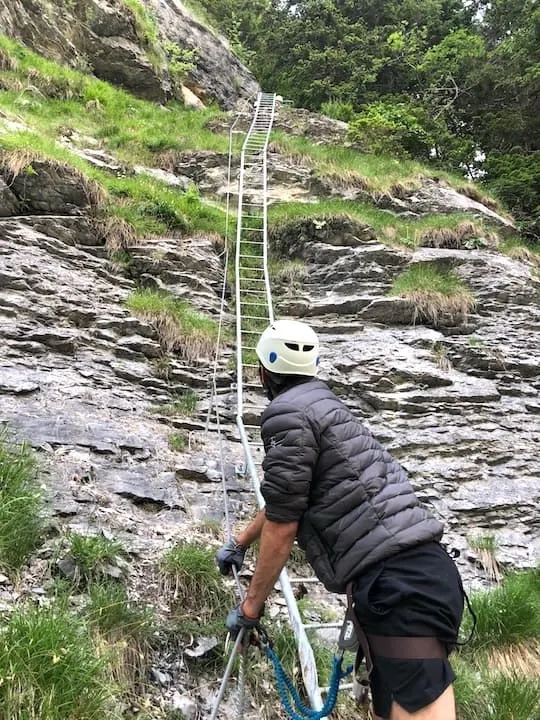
x,y
407,648
403,648
364,649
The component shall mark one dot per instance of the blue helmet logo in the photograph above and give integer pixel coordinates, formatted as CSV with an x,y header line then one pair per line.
x,y
272,357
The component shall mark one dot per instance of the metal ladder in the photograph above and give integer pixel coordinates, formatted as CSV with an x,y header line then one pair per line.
x,y
254,312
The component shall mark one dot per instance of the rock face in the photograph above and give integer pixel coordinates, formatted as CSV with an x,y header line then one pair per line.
x,y
106,37
294,180
458,406
219,75
79,374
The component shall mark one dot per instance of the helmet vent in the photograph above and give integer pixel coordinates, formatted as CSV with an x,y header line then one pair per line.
x,y
292,346
308,348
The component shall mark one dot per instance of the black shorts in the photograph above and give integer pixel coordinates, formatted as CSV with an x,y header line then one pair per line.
x,y
415,593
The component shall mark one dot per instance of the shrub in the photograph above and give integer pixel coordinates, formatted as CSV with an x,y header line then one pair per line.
x,y
339,110
21,521
391,129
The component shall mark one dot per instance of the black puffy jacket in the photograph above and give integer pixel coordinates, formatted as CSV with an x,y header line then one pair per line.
x,y
324,469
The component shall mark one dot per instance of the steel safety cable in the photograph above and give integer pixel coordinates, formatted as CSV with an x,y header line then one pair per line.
x,y
213,388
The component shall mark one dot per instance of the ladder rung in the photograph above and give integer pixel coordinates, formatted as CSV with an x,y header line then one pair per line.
x,y
252,304
320,626
250,292
254,317
342,686
252,365
251,332
253,229
304,580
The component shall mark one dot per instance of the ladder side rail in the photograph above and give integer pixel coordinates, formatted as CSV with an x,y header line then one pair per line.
x,y
238,278
305,651
265,212
256,142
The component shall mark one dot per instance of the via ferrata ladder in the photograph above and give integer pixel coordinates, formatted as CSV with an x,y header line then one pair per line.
x,y
254,311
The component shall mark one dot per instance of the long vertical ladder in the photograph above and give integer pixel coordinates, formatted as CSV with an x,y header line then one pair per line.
x,y
254,312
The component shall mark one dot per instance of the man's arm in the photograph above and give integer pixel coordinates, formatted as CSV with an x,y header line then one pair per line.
x,y
253,531
276,543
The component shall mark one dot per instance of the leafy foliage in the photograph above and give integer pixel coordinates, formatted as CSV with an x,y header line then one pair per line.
x,y
454,82
391,129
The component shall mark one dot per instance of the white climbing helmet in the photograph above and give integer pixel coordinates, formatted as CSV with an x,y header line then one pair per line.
x,y
289,347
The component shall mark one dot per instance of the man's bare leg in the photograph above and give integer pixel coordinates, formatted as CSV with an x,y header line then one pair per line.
x,y
443,708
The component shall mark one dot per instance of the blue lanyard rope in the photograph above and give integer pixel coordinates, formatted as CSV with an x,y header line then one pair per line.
x,y
300,711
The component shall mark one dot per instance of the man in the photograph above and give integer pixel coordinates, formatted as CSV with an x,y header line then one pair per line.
x,y
331,485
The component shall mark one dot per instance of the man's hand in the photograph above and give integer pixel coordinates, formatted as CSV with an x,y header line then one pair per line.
x,y
229,556
236,621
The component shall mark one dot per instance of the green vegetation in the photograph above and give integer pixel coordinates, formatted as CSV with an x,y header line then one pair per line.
x,y
92,554
485,695
190,574
21,505
184,404
199,597
437,80
363,171
453,230
145,23
516,247
50,669
54,100
502,663
178,442
435,291
180,328
508,614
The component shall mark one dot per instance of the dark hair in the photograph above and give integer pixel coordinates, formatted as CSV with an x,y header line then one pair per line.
x,y
277,382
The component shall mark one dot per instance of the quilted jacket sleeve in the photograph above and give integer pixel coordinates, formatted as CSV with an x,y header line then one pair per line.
x,y
291,455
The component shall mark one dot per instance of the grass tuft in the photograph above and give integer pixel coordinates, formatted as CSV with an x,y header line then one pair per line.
x,y
93,554
466,235
199,593
179,327
121,630
486,547
21,522
437,294
50,670
116,233
508,614
516,248
184,404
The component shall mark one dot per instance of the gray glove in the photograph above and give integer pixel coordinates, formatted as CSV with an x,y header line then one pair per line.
x,y
236,620
229,556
